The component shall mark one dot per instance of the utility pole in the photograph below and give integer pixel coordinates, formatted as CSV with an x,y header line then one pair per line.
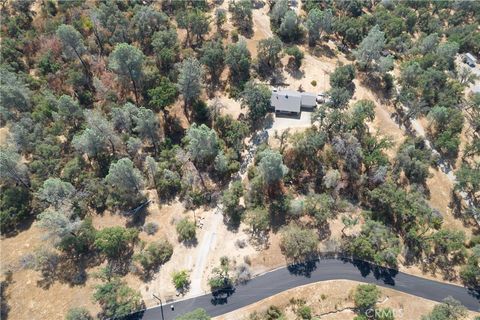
x,y
161,305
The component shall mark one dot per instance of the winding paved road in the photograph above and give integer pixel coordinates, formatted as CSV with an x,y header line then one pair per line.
x,y
285,278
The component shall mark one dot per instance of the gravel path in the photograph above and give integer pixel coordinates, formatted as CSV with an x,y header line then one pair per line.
x,y
208,241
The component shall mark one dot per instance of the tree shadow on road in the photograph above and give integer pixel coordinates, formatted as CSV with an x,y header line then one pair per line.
x,y
304,269
387,275
221,296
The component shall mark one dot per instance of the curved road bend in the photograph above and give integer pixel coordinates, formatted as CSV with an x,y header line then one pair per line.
x,y
285,278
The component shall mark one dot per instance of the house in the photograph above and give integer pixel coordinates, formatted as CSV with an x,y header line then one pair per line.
x,y
292,101
470,59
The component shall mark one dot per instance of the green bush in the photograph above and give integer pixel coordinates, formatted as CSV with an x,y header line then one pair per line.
x,y
14,207
297,55
234,35
305,312
366,296
117,299
80,313
186,230
156,254
181,280
151,228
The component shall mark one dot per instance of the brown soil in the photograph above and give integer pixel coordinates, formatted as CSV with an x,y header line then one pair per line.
x,y
3,135
26,299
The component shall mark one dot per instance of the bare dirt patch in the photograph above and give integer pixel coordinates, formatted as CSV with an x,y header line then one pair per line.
x,y
261,29
3,135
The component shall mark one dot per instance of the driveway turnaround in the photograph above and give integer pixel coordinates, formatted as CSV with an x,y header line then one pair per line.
x,y
285,278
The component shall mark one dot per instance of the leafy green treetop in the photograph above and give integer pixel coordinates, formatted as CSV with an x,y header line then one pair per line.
x,y
125,181
238,59
203,144
317,22
189,80
371,47
366,296
256,97
271,166
12,168
297,243
114,242
127,61
290,27
78,314
450,309
117,299
56,192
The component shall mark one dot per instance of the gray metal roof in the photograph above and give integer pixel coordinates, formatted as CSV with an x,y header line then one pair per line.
x,y
309,99
287,101
471,57
292,101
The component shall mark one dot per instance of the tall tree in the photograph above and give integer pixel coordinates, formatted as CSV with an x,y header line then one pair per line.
x,y
189,81
242,15
195,22
271,167
256,97
203,144
290,27
213,57
56,192
115,242
238,59
269,52
90,143
117,299
103,128
12,168
163,95
375,243
110,24
73,46
298,244
470,272
14,95
370,48
450,309
165,47
146,22
366,296
146,125
59,223
125,182
318,22
126,61
278,12
69,110
468,180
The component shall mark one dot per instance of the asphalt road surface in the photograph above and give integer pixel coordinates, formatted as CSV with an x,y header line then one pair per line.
x,y
282,279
